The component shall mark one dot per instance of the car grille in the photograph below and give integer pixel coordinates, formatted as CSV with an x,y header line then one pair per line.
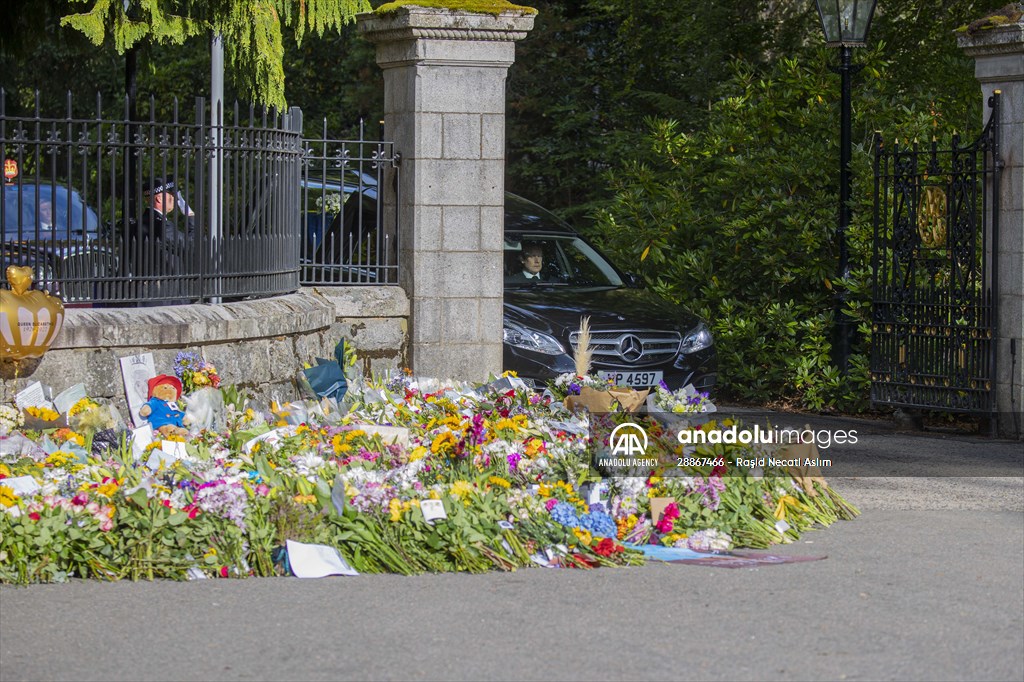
x,y
636,348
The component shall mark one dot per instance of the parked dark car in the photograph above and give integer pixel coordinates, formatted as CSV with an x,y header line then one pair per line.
x,y
637,338
51,228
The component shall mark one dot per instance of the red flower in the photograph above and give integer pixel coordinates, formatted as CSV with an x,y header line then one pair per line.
x,y
607,548
34,516
223,571
718,471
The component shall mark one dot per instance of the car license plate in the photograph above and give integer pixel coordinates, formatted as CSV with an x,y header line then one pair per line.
x,y
632,379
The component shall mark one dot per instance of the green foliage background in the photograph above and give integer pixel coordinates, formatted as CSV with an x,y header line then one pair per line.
x,y
697,140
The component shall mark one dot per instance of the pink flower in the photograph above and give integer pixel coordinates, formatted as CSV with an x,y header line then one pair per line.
x,y
80,500
550,504
92,508
106,524
263,489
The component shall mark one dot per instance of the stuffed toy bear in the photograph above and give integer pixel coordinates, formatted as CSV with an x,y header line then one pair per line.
x,y
161,410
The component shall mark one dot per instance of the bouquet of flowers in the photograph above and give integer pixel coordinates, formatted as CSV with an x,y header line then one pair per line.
x,y
195,372
10,419
686,400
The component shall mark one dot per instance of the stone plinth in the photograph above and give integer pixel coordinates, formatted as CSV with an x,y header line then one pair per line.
x,y
999,65
444,102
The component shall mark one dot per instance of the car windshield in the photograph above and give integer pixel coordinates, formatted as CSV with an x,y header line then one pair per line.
x,y
558,260
32,212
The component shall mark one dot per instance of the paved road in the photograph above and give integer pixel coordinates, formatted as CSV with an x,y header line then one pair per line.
x,y
927,584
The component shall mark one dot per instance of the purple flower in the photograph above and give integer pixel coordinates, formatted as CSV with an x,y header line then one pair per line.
x,y
513,460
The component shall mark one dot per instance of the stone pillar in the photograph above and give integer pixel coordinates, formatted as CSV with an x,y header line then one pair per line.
x,y
999,65
444,107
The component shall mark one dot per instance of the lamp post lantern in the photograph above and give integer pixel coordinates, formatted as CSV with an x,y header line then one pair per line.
x,y
846,24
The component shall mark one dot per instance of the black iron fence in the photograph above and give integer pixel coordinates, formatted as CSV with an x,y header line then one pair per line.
x,y
111,211
935,284
349,221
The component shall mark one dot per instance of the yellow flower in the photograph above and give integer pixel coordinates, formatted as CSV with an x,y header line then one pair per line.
x,y
532,447
4,471
44,413
353,434
499,481
82,405
625,525
59,459
395,507
506,424
304,499
8,498
461,490
443,441
583,536
672,538
107,489
339,445
418,453
509,373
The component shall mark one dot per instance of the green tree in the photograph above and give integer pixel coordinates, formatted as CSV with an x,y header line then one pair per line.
x,y
592,70
252,30
737,220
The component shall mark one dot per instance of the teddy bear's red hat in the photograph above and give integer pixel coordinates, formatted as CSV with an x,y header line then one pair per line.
x,y
164,379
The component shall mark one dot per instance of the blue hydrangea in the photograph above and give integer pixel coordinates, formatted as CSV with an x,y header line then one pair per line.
x,y
565,514
599,524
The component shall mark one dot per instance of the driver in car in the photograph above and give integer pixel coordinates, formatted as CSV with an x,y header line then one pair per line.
x,y
532,260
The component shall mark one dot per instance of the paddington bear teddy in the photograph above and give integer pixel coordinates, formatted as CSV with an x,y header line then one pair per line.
x,y
161,410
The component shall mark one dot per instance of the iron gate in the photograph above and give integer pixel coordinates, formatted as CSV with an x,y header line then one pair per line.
x,y
934,308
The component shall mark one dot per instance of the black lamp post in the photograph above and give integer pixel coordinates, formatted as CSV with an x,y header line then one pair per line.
x,y
846,24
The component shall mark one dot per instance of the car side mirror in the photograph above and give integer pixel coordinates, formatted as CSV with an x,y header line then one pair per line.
x,y
634,281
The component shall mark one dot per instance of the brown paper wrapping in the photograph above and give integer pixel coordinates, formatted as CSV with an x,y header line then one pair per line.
x,y
594,400
805,476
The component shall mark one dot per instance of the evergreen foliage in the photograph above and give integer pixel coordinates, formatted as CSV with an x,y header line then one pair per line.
x,y
252,30
738,220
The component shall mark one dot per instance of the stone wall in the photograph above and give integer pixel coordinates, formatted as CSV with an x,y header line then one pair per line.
x,y
259,345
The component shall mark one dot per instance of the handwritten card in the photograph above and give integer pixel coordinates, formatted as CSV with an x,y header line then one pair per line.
x,y
137,370
33,395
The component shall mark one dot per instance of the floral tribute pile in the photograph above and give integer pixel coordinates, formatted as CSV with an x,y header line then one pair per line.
x,y
509,466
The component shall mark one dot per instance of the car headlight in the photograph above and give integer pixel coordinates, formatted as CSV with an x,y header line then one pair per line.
x,y
697,339
528,339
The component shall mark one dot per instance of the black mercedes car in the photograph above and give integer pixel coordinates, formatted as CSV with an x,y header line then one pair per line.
x,y
637,338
